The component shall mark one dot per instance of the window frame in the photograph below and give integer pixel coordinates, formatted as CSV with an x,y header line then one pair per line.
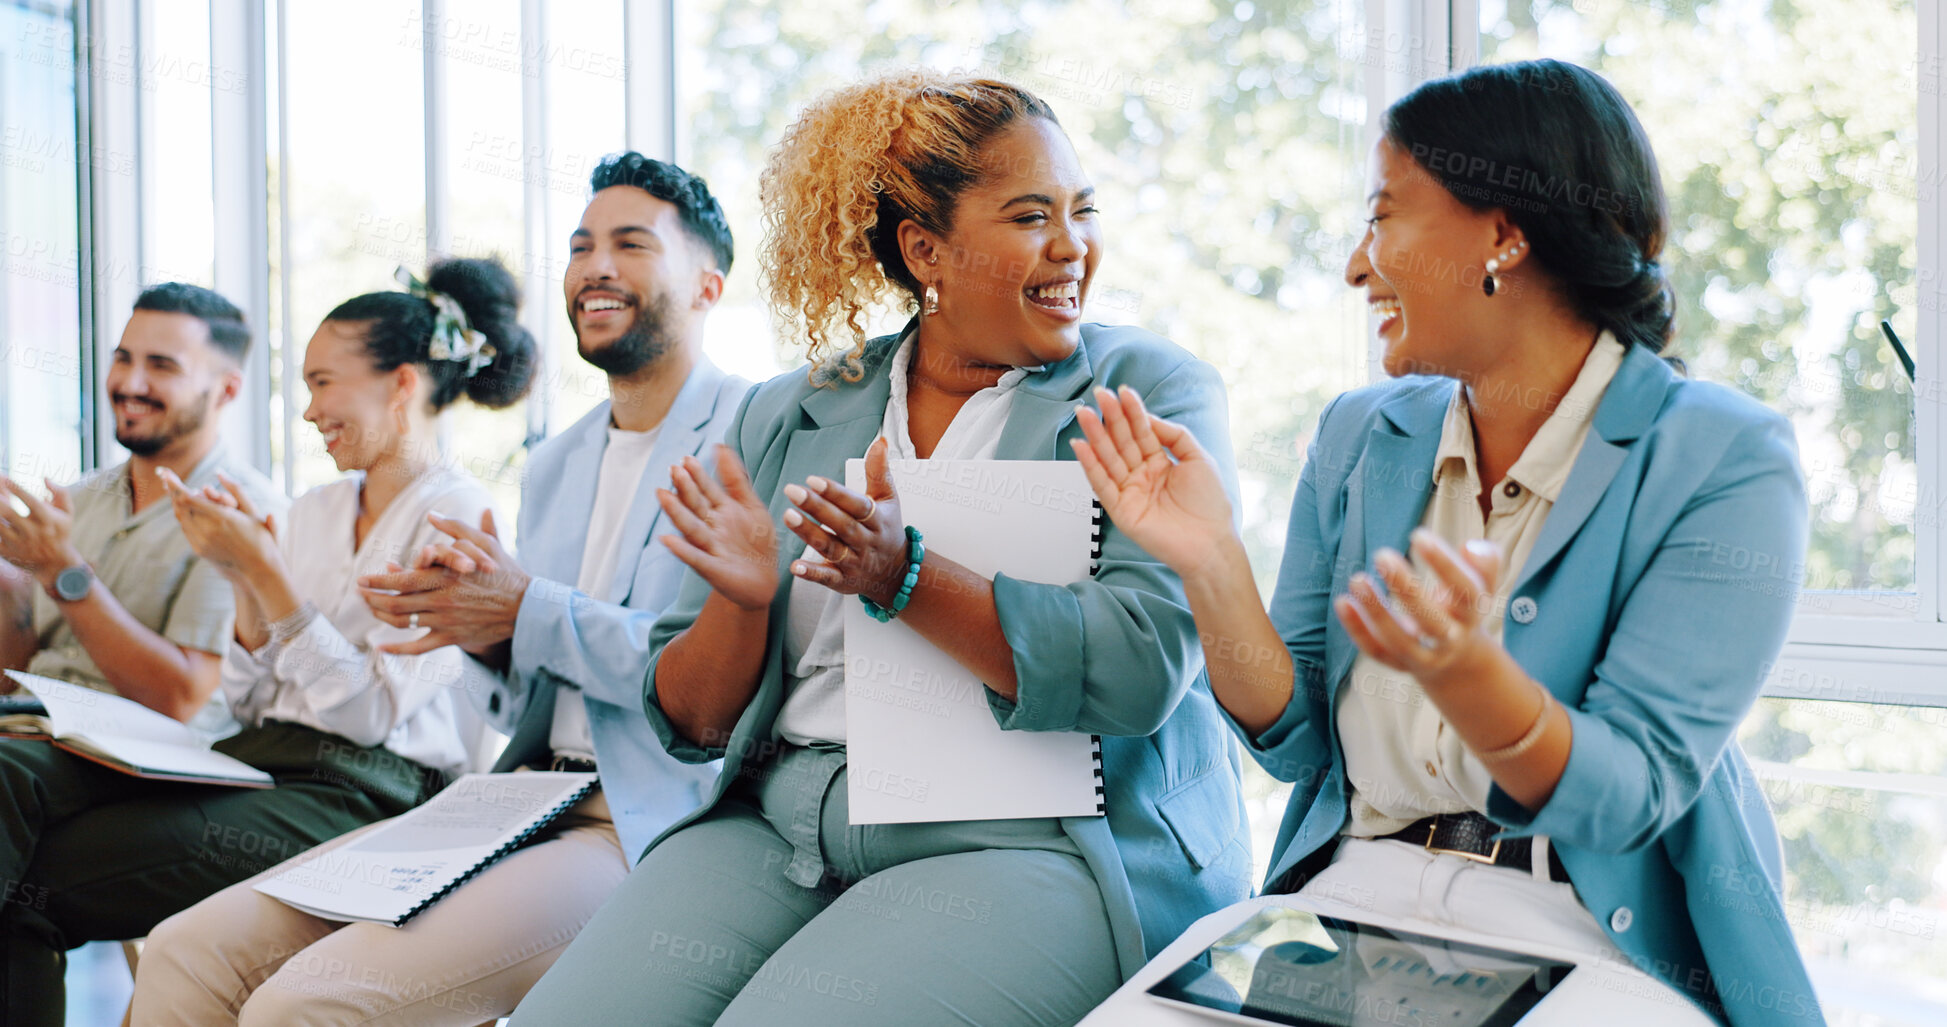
x,y
1840,640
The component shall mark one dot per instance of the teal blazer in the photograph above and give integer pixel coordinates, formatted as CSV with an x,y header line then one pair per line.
x,y
1652,606
1116,655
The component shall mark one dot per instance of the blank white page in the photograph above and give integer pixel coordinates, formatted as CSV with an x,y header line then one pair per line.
x,y
922,742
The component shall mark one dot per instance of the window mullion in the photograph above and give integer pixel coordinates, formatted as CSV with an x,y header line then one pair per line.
x,y
1929,554
439,229
240,151
649,53
537,269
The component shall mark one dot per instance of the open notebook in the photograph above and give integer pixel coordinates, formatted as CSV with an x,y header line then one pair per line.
x,y
922,743
390,873
124,735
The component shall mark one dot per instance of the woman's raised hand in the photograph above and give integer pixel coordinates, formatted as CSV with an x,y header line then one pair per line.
x,y
1154,481
726,532
222,526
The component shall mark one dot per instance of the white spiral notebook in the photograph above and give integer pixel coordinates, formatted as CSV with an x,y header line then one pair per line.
x,y
391,873
922,743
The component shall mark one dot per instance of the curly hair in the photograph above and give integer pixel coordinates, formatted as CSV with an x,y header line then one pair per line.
x,y
856,164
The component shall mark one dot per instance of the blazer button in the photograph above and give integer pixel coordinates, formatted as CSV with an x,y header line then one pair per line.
x,y
1620,920
1523,609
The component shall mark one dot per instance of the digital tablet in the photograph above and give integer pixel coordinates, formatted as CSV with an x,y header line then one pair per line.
x,y
1288,966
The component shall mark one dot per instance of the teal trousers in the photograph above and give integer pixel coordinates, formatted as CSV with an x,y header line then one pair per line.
x,y
774,909
92,854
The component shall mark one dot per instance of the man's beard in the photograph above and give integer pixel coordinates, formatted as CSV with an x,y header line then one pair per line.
x,y
647,339
175,425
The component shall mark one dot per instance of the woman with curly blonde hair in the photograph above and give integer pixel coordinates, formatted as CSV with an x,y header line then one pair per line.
x,y
962,197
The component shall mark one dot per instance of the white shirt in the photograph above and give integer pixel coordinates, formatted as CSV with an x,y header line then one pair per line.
x,y
330,674
623,462
814,621
1401,759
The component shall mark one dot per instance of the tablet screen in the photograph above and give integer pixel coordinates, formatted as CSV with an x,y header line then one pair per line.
x,y
1289,966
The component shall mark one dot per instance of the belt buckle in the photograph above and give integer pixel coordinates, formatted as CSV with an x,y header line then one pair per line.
x,y
1489,858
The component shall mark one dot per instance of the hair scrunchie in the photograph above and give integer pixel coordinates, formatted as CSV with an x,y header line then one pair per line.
x,y
453,338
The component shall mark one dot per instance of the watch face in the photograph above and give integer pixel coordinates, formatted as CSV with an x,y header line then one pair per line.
x,y
72,584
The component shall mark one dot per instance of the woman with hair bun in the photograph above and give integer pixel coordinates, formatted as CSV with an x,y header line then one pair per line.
x,y
1521,720
962,198
308,649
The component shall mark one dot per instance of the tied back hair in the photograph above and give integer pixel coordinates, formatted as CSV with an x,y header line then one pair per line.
x,y
1556,147
398,329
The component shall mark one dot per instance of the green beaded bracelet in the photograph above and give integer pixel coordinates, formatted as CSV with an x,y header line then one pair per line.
x,y
914,554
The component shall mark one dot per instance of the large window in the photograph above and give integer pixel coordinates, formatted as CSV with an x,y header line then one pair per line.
x,y
1795,216
42,160
355,185
177,77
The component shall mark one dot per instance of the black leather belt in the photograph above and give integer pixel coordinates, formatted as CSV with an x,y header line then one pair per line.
x,y
572,765
1470,836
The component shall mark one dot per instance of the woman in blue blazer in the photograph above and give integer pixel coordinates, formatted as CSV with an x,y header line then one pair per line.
x,y
767,905
1527,728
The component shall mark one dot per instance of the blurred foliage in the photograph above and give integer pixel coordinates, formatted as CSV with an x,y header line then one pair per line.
x,y
1793,185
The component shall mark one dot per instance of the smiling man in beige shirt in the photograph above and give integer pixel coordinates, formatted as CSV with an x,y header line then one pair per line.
x,y
103,589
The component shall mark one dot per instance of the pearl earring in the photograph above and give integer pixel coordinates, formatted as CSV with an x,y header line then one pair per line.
x,y
1494,264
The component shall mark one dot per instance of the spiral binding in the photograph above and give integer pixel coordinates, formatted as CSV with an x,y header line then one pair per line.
x,y
1096,520
1101,787
516,842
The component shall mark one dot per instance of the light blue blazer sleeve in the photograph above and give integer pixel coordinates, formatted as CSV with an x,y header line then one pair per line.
x,y
602,647
1719,590
1114,654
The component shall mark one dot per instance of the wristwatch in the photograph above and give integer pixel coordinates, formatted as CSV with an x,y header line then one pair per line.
x,y
72,584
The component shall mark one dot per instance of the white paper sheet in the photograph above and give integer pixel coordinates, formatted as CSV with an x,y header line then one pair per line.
x,y
922,743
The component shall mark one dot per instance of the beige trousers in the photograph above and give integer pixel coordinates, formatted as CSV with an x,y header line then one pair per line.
x,y
239,957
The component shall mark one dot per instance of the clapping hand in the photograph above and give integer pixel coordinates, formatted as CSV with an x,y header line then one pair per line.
x,y
860,538
1427,624
223,526
724,529
38,541
466,591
